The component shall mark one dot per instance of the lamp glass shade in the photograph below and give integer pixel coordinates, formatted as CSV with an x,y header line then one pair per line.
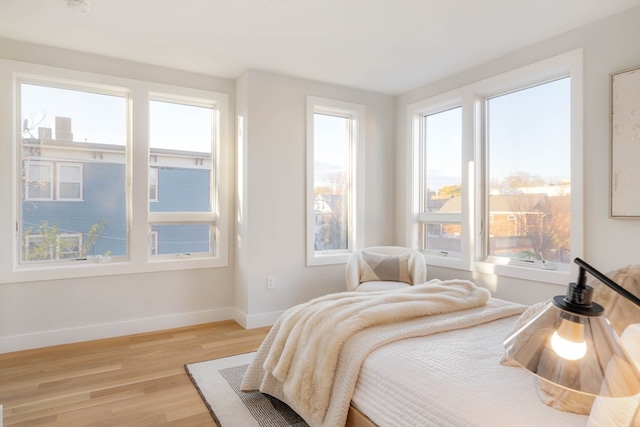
x,y
575,351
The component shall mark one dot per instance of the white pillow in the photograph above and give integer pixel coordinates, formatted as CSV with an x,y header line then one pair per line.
x,y
619,411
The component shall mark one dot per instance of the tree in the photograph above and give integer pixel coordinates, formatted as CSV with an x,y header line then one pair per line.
x,y
450,190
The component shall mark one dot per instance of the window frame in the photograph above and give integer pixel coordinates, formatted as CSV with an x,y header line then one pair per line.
x,y
138,260
194,218
59,181
356,115
440,218
27,174
474,173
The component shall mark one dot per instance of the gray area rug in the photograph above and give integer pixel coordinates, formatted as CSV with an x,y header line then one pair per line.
x,y
218,382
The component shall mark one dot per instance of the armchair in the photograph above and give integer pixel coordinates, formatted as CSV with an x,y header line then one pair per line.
x,y
380,268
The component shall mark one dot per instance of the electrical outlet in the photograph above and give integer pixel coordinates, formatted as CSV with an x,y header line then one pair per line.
x,y
271,282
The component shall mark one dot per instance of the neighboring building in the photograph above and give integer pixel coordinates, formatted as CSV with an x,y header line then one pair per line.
x,y
329,230
70,210
518,225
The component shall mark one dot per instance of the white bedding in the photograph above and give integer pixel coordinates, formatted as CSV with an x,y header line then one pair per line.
x,y
453,379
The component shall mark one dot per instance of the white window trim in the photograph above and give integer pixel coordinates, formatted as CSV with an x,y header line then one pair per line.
x,y
59,181
137,180
471,98
356,190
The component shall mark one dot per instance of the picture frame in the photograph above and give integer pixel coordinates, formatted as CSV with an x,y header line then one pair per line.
x,y
624,144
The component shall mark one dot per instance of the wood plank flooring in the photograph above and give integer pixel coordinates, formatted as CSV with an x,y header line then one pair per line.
x,y
137,380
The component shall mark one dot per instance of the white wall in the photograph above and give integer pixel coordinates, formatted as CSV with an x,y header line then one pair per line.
x,y
609,45
273,231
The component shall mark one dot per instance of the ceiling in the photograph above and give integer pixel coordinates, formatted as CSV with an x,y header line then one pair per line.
x,y
386,46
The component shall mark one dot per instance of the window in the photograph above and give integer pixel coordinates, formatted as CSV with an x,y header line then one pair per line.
x,y
441,183
69,129
496,171
69,181
113,170
334,179
181,148
528,142
153,184
52,246
38,180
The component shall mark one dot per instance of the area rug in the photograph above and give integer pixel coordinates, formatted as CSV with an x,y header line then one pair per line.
x,y
218,382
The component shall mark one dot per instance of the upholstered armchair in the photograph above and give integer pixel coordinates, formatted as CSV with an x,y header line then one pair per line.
x,y
380,268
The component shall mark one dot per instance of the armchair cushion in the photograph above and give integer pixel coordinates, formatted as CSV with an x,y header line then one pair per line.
x,y
380,267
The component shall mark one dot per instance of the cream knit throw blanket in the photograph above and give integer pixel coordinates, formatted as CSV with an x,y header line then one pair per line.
x,y
311,357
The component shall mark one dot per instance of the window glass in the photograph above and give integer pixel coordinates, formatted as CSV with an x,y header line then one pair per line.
x,y
38,180
181,176
153,184
441,193
331,181
72,149
70,181
529,170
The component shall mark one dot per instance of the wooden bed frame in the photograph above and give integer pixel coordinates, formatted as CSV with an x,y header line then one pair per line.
x,y
355,418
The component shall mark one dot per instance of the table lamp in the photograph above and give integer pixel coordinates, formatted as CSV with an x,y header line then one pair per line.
x,y
570,343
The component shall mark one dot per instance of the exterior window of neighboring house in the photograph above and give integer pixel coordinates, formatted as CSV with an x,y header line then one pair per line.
x,y
67,131
154,243
441,182
110,170
335,149
495,173
52,247
153,184
182,142
38,183
69,183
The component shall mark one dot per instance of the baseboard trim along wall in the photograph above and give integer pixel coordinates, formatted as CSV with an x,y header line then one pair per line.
x,y
109,330
256,320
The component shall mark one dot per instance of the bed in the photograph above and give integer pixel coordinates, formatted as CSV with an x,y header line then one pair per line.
x,y
438,369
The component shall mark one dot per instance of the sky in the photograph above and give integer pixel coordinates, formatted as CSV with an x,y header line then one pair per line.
x,y
99,118
528,131
536,119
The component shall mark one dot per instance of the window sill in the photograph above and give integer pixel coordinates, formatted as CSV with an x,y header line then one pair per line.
x,y
95,268
559,276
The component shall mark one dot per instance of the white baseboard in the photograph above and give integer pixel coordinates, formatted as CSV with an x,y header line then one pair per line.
x,y
108,330
256,320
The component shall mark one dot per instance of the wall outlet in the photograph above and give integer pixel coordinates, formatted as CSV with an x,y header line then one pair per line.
x,y
271,282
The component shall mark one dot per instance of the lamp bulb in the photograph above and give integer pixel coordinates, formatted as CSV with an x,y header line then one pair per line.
x,y
568,341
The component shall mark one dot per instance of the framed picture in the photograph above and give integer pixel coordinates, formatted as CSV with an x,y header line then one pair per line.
x,y
624,147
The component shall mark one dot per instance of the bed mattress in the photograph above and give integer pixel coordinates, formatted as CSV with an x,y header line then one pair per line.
x,y
453,379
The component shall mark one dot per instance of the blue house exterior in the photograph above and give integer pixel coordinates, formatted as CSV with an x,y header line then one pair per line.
x,y
95,198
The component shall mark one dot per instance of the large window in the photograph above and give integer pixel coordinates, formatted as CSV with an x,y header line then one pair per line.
x,y
334,179
67,131
496,173
528,144
109,170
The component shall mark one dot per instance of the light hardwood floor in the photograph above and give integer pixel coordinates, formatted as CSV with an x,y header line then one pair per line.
x,y
137,380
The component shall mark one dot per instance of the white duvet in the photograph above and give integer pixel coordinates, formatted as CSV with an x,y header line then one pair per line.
x,y
340,365
453,379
